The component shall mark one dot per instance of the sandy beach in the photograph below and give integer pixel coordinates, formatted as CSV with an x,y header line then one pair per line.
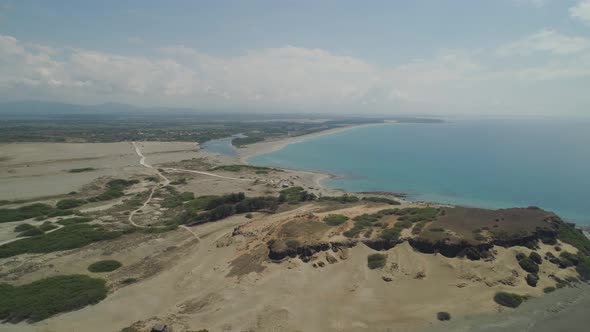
x,y
269,146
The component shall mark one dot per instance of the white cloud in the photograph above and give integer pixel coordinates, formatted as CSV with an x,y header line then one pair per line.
x,y
292,78
546,41
581,11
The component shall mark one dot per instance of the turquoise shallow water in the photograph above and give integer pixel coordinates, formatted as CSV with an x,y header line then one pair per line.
x,y
491,164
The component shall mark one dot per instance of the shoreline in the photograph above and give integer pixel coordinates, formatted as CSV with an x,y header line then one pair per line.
x,y
266,147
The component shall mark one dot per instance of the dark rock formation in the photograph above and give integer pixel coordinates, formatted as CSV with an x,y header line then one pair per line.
x,y
278,249
452,249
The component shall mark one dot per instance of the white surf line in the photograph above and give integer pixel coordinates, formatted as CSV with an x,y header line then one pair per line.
x,y
205,173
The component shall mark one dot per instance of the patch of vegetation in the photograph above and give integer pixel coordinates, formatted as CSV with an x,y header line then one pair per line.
x,y
583,268
176,199
443,316
529,265
367,218
31,232
23,227
418,227
295,195
418,214
68,237
510,300
46,297
403,224
81,170
532,279
59,213
344,199
548,290
568,259
114,189
569,234
74,220
178,181
376,261
129,281
106,265
237,168
390,234
250,139
335,219
220,207
383,200
69,203
200,203
25,212
47,226
292,244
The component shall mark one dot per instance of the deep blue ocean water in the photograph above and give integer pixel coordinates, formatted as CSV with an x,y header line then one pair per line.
x,y
492,164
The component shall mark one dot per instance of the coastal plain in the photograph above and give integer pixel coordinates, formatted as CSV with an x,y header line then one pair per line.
x,y
282,267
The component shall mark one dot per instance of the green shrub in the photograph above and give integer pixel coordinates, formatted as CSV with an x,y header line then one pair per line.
x,y
178,181
23,227
570,258
107,265
510,300
31,232
68,237
547,290
114,190
381,200
81,170
25,212
390,234
46,297
366,218
200,203
186,196
70,203
532,279
335,219
403,224
417,229
74,220
292,243
583,268
529,265
569,234
129,281
443,316
47,226
344,199
59,213
418,214
376,261
520,256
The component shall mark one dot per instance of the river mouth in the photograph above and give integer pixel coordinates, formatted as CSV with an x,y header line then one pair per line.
x,y
222,146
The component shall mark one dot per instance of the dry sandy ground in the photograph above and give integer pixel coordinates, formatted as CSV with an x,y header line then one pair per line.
x,y
183,278
29,170
190,288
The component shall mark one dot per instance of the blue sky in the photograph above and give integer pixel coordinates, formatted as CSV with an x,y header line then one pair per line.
x,y
525,57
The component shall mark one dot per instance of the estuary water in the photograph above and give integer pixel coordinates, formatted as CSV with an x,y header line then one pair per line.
x,y
491,164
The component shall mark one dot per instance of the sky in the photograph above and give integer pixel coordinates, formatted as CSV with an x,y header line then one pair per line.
x,y
501,57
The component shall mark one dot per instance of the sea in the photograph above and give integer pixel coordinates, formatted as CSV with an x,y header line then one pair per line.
x,y
477,163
